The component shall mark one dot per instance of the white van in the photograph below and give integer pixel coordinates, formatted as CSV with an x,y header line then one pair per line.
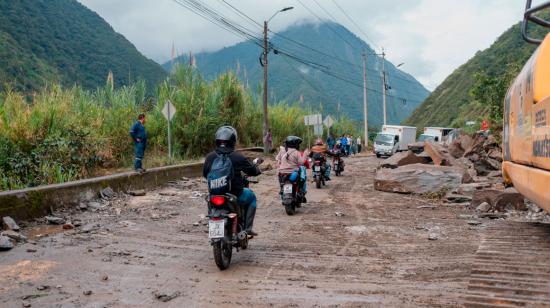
x,y
393,138
437,134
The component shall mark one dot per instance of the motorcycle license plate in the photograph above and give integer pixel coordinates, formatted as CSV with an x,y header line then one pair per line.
x,y
287,189
216,228
317,168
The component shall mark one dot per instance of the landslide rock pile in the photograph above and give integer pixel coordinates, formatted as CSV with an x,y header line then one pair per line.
x,y
467,171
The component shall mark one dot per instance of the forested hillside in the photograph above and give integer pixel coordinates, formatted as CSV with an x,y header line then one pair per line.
x,y
42,41
461,96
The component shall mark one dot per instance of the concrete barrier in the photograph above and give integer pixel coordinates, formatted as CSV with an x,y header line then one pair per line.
x,y
38,201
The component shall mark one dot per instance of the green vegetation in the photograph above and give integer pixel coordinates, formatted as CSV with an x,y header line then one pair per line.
x,y
476,90
66,134
63,41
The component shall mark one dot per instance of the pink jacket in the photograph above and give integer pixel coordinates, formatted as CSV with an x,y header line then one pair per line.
x,y
290,161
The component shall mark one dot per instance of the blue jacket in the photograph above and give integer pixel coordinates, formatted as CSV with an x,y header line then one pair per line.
x,y
344,140
137,131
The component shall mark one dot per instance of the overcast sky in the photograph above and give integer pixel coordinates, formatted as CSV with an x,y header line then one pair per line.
x,y
432,37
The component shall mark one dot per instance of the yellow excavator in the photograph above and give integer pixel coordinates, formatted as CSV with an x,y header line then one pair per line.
x,y
526,142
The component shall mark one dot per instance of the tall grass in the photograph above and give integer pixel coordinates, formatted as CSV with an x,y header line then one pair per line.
x,y
65,134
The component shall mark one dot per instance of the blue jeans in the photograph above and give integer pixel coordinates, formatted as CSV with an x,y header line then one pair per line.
x,y
247,198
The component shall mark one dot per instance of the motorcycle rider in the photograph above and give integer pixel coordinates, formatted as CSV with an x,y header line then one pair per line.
x,y
226,138
321,150
290,160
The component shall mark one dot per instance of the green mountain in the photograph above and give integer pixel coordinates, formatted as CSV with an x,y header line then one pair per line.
x,y
335,51
452,104
61,40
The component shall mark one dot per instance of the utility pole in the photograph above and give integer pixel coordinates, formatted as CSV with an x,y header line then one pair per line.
x,y
266,120
384,84
365,107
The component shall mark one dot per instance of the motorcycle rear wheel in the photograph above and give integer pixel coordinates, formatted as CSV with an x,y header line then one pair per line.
x,y
318,182
222,254
290,209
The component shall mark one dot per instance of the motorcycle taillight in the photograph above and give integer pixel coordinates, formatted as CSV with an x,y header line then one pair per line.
x,y
217,200
317,162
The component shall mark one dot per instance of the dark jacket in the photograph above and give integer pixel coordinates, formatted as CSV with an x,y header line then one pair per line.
x,y
240,165
137,131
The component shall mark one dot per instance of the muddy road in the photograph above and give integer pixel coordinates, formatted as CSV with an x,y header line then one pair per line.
x,y
349,246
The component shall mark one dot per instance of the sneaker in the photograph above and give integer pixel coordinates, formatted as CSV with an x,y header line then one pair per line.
x,y
252,233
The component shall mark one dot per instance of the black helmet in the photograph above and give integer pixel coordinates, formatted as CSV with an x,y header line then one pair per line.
x,y
226,135
293,142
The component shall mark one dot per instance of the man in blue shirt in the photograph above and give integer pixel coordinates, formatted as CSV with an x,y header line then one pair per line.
x,y
139,135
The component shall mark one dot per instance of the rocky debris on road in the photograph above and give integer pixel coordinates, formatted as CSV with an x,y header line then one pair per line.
x,y
166,296
9,224
418,179
90,227
339,214
87,292
5,243
475,160
107,193
432,236
137,193
16,236
402,159
54,220
439,154
483,207
499,200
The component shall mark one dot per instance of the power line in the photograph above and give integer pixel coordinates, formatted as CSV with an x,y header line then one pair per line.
x,y
334,75
356,67
328,25
241,13
214,17
356,25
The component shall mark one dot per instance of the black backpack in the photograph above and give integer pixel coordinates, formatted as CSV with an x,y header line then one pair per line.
x,y
220,176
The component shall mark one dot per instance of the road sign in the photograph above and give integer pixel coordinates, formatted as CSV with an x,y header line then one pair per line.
x,y
313,119
169,111
328,121
318,130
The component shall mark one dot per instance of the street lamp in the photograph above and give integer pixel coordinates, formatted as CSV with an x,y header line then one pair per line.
x,y
266,51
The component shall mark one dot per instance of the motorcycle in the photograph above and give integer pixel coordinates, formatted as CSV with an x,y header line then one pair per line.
x,y
291,193
338,164
319,170
226,226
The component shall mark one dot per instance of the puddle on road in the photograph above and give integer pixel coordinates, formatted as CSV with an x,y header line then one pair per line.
x,y
43,230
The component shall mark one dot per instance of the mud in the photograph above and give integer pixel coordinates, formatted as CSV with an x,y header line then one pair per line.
x,y
153,251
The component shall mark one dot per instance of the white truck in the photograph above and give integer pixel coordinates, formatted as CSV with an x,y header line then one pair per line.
x,y
393,138
441,135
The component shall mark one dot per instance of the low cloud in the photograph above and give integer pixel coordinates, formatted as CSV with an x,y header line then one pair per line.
x,y
432,37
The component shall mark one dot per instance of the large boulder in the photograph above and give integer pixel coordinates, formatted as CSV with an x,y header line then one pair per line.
x,y
455,149
476,147
500,200
438,153
466,142
418,178
401,159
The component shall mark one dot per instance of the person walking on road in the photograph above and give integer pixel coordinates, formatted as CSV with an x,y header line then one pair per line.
x,y
344,143
139,135
359,145
330,141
